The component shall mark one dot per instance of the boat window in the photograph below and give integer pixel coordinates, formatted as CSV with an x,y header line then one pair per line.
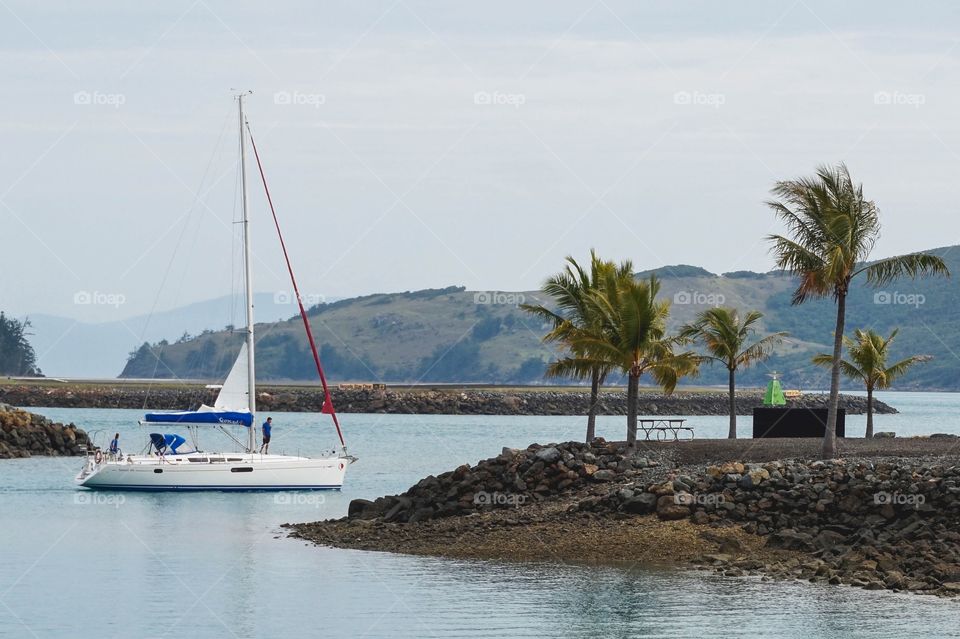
x,y
158,470
217,459
234,459
242,469
198,459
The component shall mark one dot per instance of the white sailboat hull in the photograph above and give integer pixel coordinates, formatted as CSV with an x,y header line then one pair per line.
x,y
235,405
214,471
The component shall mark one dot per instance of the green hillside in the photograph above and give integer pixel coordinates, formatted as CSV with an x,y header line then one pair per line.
x,y
455,335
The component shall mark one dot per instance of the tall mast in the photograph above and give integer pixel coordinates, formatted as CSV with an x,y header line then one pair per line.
x,y
251,377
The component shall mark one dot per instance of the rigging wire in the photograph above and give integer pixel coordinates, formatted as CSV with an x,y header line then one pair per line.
x,y
234,249
327,401
186,224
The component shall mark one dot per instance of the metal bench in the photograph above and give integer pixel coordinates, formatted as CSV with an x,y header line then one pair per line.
x,y
665,428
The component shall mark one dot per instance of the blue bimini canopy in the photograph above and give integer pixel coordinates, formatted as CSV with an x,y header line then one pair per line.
x,y
201,418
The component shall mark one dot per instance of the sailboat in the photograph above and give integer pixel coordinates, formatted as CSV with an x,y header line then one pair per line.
x,y
164,466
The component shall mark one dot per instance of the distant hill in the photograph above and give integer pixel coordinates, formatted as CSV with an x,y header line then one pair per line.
x,y
455,335
68,348
431,335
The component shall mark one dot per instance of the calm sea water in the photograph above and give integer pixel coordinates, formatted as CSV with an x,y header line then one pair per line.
x,y
78,563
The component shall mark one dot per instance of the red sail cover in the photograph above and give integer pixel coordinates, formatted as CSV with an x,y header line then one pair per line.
x,y
327,405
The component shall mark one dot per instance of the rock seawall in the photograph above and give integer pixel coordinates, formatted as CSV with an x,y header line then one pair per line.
x,y
24,434
887,520
412,401
877,524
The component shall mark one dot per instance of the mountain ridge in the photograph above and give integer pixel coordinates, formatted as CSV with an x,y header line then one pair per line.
x,y
68,347
455,335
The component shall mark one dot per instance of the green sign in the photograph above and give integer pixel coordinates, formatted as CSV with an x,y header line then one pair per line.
x,y
774,395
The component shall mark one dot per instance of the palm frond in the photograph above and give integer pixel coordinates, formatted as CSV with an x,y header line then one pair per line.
x,y
895,371
761,349
847,369
725,336
831,230
868,352
913,265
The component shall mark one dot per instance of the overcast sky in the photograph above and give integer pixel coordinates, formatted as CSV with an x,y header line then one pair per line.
x,y
425,144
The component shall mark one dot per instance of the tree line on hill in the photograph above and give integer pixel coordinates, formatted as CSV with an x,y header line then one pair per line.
x,y
16,354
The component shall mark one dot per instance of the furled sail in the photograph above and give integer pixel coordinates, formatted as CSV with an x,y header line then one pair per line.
x,y
230,408
205,416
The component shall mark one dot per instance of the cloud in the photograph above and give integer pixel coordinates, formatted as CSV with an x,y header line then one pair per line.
x,y
655,145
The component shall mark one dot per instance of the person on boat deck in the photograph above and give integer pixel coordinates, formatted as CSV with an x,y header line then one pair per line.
x,y
115,444
267,427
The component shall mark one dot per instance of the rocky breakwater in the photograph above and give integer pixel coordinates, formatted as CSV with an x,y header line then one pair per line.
x,y
877,523
514,478
566,402
423,401
24,434
524,505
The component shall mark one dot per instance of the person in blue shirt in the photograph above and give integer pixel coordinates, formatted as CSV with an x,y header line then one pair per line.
x,y
267,427
115,444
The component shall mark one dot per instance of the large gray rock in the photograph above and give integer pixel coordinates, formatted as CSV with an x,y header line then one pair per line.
x,y
790,539
669,509
357,507
640,504
548,455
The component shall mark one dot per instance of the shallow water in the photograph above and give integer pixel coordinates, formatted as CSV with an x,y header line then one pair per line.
x,y
79,563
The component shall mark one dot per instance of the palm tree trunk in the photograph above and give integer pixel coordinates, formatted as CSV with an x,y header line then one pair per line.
x,y
869,412
633,384
733,405
594,400
829,448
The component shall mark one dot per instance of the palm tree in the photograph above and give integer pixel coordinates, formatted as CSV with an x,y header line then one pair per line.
x,y
832,230
573,319
726,338
868,363
632,339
